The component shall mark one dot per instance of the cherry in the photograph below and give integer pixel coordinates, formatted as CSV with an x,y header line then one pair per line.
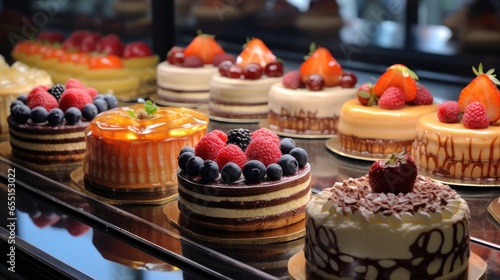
x,y
235,72
224,67
315,82
348,80
274,69
252,71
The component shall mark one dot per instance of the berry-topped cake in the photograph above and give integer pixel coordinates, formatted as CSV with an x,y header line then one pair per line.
x,y
184,78
241,90
391,223
461,140
382,119
308,101
243,181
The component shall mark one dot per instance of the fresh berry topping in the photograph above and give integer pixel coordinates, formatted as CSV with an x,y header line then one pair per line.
x,y
235,72
348,80
231,153
274,172
205,47
93,92
72,115
321,62
255,51
423,97
475,116
192,61
20,113
449,112
39,114
392,99
254,171
74,83
57,90
209,171
289,164
55,116
42,98
366,96
193,165
315,82
263,149
183,158
136,49
286,145
224,68
186,149
110,44
220,134
223,57
252,71
274,69
300,155
399,76
240,137
175,55
231,172
101,105
292,80
15,103
397,174
74,97
209,146
89,111
267,133
23,98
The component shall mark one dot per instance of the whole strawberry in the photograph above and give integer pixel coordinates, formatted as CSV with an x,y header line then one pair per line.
x,y
397,174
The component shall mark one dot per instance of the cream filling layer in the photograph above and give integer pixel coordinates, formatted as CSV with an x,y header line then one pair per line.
x,y
48,147
59,136
238,109
183,78
241,91
183,95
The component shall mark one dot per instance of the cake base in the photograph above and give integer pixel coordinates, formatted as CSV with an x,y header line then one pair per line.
x,y
494,209
294,134
297,267
284,234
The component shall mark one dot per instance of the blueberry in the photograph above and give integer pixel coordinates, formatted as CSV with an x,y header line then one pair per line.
x,y
209,171
111,101
274,172
101,105
39,114
289,164
89,111
16,102
231,172
193,165
183,158
20,113
55,116
300,155
286,145
99,96
254,171
23,98
186,149
73,115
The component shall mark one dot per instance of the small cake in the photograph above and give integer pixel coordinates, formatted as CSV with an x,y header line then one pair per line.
x,y
184,78
461,140
133,148
241,90
371,228
308,101
243,181
382,119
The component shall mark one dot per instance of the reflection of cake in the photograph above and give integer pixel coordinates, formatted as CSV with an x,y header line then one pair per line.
x,y
461,140
259,188
368,130
134,148
350,226
308,101
241,90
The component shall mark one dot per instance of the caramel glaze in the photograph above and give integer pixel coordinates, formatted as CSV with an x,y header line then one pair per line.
x,y
362,146
46,129
417,249
302,122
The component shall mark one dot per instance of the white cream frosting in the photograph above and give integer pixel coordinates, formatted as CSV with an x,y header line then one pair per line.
x,y
184,79
241,91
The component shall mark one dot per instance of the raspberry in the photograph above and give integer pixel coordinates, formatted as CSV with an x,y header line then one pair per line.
x,y
392,98
92,92
42,98
424,96
57,90
209,146
449,112
263,149
36,90
292,80
231,153
74,97
475,116
193,61
220,134
74,83
266,132
240,137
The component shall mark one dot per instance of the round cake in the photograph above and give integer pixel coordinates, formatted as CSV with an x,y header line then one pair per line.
x,y
254,187
133,148
356,230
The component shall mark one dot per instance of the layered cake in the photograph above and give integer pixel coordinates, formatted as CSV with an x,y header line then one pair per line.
x,y
184,77
371,228
308,101
241,90
461,140
134,148
382,119
243,181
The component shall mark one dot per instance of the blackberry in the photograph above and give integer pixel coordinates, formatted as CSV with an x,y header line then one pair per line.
x,y
57,90
240,137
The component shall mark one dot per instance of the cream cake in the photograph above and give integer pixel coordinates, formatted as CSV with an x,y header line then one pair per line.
x,y
133,148
301,103
382,119
243,182
365,228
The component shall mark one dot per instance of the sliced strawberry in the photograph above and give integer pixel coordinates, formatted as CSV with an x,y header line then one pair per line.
x,y
321,62
399,76
205,47
255,51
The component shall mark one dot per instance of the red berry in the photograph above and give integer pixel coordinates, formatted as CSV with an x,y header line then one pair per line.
x,y
264,150
365,95
274,69
224,67
42,98
175,56
231,153
292,80
209,146
235,72
449,112
392,98
92,92
252,71
220,134
74,83
74,97
397,174
75,227
222,57
266,133
423,97
315,82
35,91
475,116
348,80
192,61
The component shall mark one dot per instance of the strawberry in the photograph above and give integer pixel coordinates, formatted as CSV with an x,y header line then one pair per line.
x,y
204,46
392,99
255,51
292,80
399,76
449,112
105,62
74,97
365,95
423,97
475,116
321,62
397,174
231,153
484,90
41,98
